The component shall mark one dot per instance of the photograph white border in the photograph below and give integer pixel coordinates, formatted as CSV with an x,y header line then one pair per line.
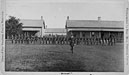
x,y
2,49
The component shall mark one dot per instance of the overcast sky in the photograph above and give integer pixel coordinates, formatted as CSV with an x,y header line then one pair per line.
x,y
55,12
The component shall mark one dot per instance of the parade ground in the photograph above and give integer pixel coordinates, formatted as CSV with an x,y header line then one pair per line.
x,y
58,58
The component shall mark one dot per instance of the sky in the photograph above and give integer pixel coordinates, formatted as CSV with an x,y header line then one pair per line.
x,y
55,12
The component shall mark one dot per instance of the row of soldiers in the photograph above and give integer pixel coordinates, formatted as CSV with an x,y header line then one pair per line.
x,y
64,40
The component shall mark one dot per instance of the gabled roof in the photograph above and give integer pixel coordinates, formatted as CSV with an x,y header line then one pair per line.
x,y
31,23
94,23
55,30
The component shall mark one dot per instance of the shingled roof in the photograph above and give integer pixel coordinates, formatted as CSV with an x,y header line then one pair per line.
x,y
31,23
94,23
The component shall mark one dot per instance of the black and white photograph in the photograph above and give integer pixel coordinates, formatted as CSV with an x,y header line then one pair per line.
x,y
64,35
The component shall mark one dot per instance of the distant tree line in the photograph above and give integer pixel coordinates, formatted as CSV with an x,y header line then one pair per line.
x,y
13,27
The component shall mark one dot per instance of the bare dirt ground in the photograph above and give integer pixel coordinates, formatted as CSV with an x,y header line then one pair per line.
x,y
58,58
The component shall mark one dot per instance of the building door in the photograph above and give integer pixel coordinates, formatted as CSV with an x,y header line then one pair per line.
x,y
102,34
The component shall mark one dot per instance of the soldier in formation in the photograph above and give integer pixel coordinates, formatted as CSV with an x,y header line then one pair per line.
x,y
63,40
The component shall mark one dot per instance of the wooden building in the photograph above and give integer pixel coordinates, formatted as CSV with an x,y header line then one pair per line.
x,y
95,28
33,27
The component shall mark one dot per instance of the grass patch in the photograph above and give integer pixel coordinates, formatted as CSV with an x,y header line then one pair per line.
x,y
56,58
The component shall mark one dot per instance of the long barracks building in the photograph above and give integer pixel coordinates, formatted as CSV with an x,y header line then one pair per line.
x,y
95,28
33,27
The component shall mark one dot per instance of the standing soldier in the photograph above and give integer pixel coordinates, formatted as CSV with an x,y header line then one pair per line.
x,y
64,40
21,38
55,39
108,40
32,40
44,39
77,40
97,41
27,40
40,40
113,40
71,40
47,38
86,41
12,39
68,40
50,39
35,39
104,41
59,40
89,41
83,40
16,38
101,41
93,40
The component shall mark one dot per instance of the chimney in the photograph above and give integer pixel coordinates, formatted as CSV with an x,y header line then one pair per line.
x,y
99,18
67,17
41,17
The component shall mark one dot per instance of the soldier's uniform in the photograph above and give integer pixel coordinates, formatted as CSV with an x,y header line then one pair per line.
x,y
52,40
26,39
40,40
16,39
49,40
101,40
12,39
71,40
83,40
44,40
97,41
113,41
62,40
90,41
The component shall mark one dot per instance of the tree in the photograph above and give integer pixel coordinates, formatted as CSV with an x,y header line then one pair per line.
x,y
13,26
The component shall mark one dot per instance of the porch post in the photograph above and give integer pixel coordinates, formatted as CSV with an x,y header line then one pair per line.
x,y
109,34
80,34
90,34
99,34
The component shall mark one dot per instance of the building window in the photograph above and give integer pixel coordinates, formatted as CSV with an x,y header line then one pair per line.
x,y
74,35
83,35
